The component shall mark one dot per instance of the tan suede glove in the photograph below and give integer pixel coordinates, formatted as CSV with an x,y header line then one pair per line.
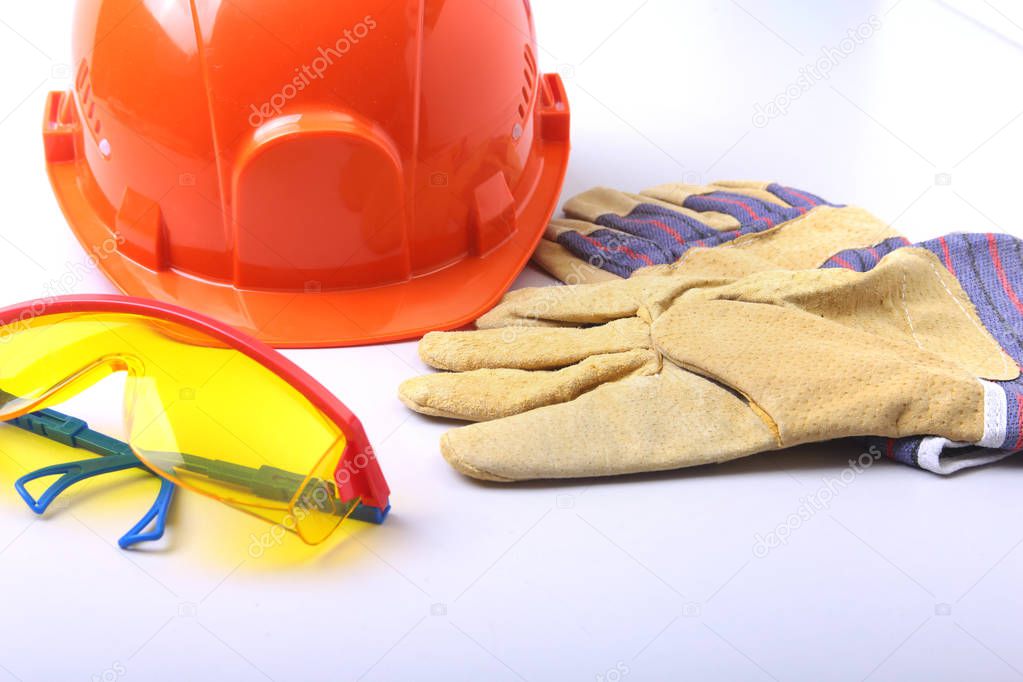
x,y
608,234
716,356
675,370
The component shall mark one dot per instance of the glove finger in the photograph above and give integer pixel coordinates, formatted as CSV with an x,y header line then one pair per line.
x,y
567,267
857,237
773,194
567,306
617,252
811,241
599,205
530,347
486,394
643,423
755,207
798,198
621,233
755,214
590,206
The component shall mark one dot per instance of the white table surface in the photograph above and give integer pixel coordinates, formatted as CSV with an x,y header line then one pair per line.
x,y
904,575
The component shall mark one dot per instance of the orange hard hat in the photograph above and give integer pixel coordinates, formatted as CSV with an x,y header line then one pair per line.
x,y
314,173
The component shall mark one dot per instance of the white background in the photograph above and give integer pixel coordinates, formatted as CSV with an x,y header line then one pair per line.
x,y
904,576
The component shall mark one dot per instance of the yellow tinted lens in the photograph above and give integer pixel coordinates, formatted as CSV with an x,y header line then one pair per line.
x,y
202,414
317,510
52,357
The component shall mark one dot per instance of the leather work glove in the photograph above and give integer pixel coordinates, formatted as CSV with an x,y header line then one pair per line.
x,y
713,359
990,269
609,235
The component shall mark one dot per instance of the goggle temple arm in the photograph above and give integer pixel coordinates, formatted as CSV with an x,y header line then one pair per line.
x,y
117,455
114,456
156,518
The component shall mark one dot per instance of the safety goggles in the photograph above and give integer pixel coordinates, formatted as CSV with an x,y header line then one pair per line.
x,y
205,407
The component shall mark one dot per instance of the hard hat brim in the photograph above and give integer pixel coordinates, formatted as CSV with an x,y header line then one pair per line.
x,y
446,299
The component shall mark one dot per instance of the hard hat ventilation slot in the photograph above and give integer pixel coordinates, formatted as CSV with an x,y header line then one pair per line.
x,y
83,86
529,73
530,60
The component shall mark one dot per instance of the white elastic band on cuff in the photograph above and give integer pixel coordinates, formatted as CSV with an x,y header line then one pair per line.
x,y
937,454
995,415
